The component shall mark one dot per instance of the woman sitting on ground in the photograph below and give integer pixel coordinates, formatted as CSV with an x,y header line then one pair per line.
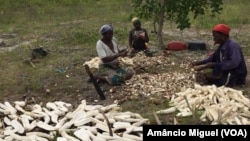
x,y
108,51
227,62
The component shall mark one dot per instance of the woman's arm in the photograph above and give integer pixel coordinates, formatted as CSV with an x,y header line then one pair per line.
x,y
146,38
108,59
130,39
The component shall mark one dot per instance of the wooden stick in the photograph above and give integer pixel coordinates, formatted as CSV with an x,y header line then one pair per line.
x,y
98,89
190,108
157,119
32,64
108,123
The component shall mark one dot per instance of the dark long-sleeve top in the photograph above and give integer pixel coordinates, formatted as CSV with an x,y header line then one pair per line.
x,y
135,41
229,59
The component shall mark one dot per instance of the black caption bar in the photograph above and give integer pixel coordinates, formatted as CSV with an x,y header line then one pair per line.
x,y
196,132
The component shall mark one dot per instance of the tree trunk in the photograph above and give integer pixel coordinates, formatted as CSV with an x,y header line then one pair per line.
x,y
160,26
154,25
159,33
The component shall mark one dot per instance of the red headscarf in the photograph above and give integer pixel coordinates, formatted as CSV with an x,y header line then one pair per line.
x,y
222,28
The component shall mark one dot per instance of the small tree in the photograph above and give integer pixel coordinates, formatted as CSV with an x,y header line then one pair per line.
x,y
177,11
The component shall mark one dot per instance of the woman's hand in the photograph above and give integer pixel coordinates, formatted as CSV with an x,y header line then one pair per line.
x,y
204,66
142,36
200,67
123,53
195,63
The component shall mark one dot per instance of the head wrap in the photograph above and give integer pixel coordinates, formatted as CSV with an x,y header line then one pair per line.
x,y
222,28
135,20
105,28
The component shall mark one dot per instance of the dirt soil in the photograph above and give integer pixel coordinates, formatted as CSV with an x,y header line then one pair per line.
x,y
90,93
187,36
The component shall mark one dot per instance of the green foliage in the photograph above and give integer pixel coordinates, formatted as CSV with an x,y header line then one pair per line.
x,y
176,10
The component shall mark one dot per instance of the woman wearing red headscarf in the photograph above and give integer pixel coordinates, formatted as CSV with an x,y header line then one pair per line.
x,y
227,63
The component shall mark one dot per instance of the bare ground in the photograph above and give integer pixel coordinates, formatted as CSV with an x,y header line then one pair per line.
x,y
88,92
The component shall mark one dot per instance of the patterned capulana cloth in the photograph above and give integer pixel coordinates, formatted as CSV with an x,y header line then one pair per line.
x,y
115,76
